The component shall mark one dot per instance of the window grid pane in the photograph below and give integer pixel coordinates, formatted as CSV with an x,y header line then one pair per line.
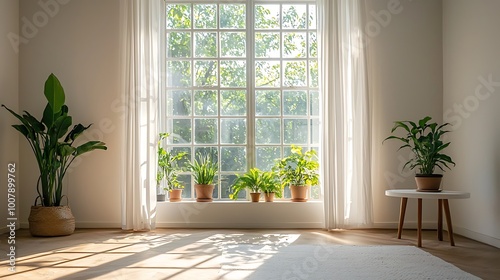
x,y
208,86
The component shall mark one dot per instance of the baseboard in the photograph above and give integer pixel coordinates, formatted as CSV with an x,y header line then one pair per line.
x,y
407,225
6,229
88,225
477,236
242,225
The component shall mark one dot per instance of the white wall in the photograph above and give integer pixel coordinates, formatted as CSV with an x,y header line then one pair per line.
x,y
405,71
9,66
78,42
471,45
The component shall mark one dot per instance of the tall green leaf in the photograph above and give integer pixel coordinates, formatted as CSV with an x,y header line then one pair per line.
x,y
54,93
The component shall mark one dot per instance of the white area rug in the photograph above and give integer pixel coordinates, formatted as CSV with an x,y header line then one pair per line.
x,y
334,262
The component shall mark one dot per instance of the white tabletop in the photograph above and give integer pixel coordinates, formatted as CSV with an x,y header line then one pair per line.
x,y
413,193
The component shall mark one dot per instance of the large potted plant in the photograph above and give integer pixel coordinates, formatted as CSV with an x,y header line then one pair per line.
x,y
55,148
256,181
204,169
168,170
425,141
299,171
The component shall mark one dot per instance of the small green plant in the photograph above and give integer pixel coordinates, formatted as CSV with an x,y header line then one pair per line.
x,y
168,168
271,184
424,140
53,144
256,180
298,169
204,169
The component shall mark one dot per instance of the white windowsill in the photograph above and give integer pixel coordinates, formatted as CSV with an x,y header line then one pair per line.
x,y
240,214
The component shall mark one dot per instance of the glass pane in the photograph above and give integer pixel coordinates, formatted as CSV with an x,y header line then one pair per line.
x,y
295,73
181,131
178,16
267,45
313,73
295,103
205,103
295,131
179,103
233,131
233,158
294,44
179,73
266,156
227,182
312,16
233,102
267,103
186,158
267,74
205,44
314,97
314,192
294,16
216,188
205,16
288,150
267,131
232,16
267,16
205,73
233,73
233,44
313,44
211,151
179,44
315,131
205,131
185,180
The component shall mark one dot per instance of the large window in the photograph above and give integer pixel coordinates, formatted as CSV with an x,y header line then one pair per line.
x,y
241,83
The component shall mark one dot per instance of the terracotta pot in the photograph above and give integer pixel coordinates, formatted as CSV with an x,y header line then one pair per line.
x,y
255,197
51,221
175,195
428,183
204,193
269,197
299,193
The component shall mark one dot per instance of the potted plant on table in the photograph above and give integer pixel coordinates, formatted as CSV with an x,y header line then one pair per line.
x,y
168,170
54,147
256,181
204,169
300,171
424,139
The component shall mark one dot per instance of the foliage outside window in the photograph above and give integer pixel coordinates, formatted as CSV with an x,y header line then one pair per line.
x,y
241,84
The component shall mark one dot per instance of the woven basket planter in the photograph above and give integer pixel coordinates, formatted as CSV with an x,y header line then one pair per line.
x,y
51,221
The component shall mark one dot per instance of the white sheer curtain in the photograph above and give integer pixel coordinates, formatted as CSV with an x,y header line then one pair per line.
x,y
345,157
140,22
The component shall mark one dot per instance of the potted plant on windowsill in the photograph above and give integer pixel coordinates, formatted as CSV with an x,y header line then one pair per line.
x,y
256,181
204,169
54,147
271,186
424,139
299,171
168,170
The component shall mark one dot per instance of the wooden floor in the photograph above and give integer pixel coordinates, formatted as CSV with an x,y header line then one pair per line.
x,y
116,254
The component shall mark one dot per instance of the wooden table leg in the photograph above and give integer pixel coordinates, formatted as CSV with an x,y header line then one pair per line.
x,y
448,221
440,220
419,223
402,211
